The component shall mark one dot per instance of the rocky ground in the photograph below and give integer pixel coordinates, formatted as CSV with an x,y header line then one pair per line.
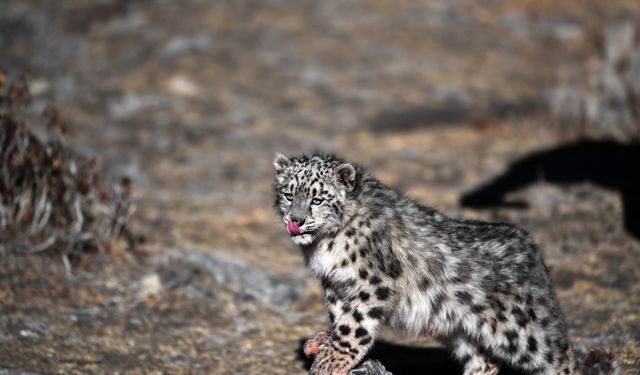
x,y
192,100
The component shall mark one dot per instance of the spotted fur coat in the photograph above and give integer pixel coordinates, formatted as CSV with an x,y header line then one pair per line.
x,y
480,288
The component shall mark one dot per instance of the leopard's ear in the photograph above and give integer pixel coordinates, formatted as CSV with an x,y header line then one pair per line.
x,y
346,174
281,163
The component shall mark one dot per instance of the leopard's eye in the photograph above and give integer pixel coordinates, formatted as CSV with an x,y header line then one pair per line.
x,y
316,201
288,196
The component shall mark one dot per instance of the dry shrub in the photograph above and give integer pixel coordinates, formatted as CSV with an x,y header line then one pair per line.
x,y
606,100
51,197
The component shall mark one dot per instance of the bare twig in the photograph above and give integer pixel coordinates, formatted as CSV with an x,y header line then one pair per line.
x,y
32,249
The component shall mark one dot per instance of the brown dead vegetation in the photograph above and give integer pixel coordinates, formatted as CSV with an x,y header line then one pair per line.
x,y
51,197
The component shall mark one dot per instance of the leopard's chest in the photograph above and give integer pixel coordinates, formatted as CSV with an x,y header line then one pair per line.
x,y
329,261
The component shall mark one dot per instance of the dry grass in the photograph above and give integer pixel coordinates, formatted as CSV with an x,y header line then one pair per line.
x,y
51,195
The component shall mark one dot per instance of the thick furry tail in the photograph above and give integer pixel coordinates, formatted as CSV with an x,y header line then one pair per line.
x,y
600,362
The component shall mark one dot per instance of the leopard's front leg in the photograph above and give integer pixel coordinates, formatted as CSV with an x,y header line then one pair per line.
x,y
355,323
322,338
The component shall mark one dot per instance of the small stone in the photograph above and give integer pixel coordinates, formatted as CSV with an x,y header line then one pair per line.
x,y
150,285
27,333
183,86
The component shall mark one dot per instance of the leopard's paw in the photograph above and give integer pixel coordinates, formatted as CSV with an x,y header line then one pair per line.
x,y
330,362
314,344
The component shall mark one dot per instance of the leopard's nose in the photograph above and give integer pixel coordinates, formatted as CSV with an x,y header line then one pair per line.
x,y
298,220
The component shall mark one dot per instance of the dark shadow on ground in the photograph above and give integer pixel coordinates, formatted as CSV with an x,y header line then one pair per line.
x,y
606,163
410,360
451,114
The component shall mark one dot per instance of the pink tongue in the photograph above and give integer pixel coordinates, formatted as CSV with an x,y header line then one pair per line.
x,y
293,228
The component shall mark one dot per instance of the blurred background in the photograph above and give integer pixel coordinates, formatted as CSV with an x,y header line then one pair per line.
x,y
137,229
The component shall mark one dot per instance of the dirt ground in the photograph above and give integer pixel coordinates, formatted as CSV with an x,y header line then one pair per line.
x,y
192,100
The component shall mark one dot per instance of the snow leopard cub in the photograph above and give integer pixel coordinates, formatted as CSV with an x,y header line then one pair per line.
x,y
480,288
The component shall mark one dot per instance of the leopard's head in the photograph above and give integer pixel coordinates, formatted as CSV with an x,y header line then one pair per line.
x,y
312,195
